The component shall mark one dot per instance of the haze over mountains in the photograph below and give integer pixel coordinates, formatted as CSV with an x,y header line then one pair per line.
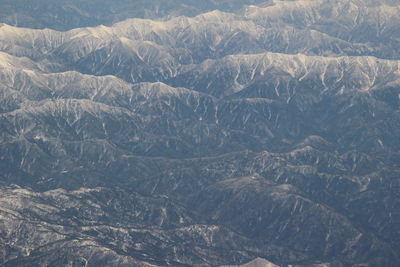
x,y
267,130
69,14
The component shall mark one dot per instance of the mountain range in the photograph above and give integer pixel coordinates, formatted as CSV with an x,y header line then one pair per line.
x,y
182,136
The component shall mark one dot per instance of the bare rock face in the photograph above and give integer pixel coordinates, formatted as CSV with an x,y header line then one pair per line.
x,y
264,134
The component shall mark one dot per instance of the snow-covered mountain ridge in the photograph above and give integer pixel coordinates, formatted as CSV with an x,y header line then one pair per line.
x,y
209,140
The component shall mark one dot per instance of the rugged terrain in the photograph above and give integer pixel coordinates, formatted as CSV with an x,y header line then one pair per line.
x,y
270,132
